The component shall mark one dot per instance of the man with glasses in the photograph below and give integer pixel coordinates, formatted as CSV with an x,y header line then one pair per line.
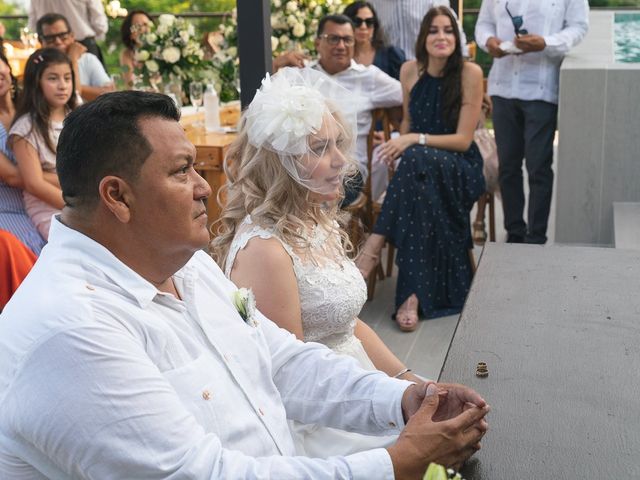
x,y
91,78
372,88
87,19
528,41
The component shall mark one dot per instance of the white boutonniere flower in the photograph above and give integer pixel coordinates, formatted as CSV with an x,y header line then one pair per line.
x,y
245,303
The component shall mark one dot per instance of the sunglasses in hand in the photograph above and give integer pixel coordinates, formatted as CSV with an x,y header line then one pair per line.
x,y
517,22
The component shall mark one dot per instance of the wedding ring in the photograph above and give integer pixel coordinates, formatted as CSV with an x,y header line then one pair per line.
x,y
482,370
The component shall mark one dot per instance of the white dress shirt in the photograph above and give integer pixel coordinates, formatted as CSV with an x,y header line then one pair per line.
x,y
86,17
401,20
371,88
533,75
103,376
91,71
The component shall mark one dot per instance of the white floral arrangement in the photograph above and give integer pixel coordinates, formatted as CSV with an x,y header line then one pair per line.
x,y
245,303
114,9
170,49
293,27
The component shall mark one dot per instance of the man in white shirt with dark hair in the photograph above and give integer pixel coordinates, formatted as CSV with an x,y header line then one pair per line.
x,y
86,18
371,88
528,40
122,354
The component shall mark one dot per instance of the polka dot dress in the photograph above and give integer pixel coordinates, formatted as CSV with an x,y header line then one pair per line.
x,y
426,211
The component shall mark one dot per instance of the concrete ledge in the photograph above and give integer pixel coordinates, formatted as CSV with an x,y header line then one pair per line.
x,y
626,223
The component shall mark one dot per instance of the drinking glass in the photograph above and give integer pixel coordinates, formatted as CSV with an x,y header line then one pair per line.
x,y
196,95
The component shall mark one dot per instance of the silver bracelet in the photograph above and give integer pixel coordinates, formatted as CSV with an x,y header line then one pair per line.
x,y
402,372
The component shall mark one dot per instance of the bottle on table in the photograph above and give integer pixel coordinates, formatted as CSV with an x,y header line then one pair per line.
x,y
211,109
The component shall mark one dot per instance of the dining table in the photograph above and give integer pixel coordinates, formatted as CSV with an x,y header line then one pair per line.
x,y
211,148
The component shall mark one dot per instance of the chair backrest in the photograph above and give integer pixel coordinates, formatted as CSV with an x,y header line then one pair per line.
x,y
379,118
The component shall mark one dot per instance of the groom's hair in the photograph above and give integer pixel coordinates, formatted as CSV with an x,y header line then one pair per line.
x,y
103,137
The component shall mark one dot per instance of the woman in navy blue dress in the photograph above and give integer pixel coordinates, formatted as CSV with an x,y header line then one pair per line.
x,y
427,205
371,47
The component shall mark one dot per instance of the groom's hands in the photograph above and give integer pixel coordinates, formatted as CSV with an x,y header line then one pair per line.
x,y
446,423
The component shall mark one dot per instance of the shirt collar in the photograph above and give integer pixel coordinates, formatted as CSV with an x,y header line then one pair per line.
x,y
82,249
353,66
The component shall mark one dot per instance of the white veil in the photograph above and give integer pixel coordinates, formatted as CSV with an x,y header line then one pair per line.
x,y
299,114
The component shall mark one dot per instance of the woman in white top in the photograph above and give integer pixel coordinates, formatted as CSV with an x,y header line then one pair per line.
x,y
279,233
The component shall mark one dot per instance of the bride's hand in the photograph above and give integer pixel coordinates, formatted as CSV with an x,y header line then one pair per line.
x,y
393,148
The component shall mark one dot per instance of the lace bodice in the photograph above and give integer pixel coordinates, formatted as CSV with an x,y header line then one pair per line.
x,y
331,288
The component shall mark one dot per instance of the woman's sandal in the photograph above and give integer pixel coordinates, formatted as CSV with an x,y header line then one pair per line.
x,y
407,315
407,321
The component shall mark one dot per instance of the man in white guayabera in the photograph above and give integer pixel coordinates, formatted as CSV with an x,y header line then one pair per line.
x,y
126,353
527,41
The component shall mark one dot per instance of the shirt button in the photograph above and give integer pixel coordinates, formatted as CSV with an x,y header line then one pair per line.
x,y
206,394
392,424
90,287
261,412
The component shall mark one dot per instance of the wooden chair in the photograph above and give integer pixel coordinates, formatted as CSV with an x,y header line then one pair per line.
x,y
478,230
358,216
374,205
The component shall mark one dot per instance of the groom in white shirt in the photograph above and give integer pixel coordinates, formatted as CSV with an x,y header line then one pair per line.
x,y
122,354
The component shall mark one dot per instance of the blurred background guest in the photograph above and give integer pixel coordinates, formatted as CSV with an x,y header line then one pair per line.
x,y
13,217
371,46
91,78
86,19
16,261
135,24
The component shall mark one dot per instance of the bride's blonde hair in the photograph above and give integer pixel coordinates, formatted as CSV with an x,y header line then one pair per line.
x,y
260,186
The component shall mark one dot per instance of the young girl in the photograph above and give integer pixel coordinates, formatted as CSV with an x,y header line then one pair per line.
x,y
13,217
48,96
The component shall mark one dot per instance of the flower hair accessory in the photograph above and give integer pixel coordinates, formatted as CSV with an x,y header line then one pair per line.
x,y
245,303
303,116
284,113
291,105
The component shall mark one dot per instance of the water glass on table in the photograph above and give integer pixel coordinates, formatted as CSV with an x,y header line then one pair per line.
x,y
196,91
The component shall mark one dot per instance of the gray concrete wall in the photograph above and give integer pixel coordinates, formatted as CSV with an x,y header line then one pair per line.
x,y
598,160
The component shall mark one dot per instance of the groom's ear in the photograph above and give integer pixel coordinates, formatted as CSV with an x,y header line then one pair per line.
x,y
117,196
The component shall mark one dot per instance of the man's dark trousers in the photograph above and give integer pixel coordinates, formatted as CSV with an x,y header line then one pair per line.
x,y
525,129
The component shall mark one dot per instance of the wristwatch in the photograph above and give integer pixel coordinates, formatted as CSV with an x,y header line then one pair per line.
x,y
422,139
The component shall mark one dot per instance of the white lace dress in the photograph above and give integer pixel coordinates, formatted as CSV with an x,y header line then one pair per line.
x,y
332,293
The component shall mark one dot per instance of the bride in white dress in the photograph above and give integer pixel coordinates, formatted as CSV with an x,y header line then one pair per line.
x,y
279,233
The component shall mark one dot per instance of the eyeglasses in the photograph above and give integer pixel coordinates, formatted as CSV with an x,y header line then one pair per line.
x,y
334,40
517,22
370,22
52,38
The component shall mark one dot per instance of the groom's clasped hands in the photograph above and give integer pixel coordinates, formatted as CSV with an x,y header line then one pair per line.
x,y
445,423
